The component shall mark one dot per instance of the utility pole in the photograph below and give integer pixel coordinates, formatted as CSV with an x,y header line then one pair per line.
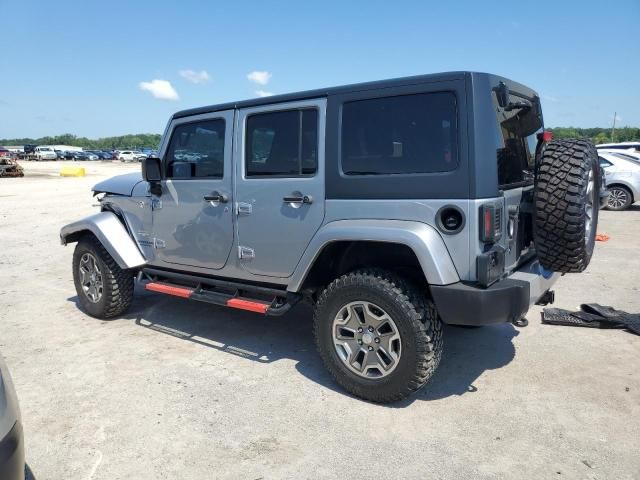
x,y
613,128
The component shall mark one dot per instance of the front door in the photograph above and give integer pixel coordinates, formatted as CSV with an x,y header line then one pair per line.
x,y
280,184
193,217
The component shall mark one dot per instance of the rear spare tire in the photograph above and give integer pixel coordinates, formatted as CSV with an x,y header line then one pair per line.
x,y
567,192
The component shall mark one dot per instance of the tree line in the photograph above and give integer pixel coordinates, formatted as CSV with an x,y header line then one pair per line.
x,y
152,140
598,135
139,140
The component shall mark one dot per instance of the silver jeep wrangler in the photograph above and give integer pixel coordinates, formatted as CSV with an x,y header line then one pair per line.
x,y
392,206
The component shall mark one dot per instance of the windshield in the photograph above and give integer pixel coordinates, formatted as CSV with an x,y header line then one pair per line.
x,y
519,119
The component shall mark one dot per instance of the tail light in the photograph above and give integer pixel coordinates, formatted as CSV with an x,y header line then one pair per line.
x,y
491,223
545,136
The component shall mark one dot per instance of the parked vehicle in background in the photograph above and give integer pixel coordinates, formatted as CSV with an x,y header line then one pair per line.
x,y
99,154
12,465
28,150
623,179
626,154
85,156
622,174
4,152
129,156
44,153
635,146
59,154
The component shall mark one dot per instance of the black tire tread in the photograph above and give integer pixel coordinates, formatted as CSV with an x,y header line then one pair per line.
x,y
560,195
118,283
425,324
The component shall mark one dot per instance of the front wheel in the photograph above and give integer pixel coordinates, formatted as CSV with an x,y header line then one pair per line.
x,y
379,336
104,289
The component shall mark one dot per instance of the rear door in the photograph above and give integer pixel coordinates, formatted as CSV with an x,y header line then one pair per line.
x,y
193,217
280,184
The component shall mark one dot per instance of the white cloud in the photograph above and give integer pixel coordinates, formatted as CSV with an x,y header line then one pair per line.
x,y
161,89
551,99
259,78
195,77
262,93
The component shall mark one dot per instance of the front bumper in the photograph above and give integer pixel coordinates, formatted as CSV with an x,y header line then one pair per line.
x,y
12,454
504,301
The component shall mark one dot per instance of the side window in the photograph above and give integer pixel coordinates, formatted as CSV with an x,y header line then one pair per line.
x,y
283,143
196,150
400,135
605,163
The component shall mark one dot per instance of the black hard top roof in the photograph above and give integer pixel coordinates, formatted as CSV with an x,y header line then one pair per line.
x,y
323,92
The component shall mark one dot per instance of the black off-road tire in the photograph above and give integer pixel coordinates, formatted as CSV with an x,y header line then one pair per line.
x,y
417,321
117,294
624,192
561,193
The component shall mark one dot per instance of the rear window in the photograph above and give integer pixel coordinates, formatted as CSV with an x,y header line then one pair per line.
x,y
400,135
516,140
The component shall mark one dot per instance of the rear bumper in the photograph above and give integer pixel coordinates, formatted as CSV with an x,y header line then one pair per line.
x,y
12,454
504,301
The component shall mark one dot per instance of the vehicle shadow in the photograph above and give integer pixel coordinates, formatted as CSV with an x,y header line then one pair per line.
x,y
467,354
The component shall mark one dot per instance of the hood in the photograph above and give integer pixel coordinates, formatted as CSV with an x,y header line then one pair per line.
x,y
119,185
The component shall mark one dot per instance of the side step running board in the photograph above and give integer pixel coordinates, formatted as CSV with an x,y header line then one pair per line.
x,y
275,307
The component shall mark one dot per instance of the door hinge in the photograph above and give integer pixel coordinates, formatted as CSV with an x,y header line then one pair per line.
x,y
246,253
158,243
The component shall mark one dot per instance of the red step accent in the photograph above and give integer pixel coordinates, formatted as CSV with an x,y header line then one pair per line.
x,y
252,306
169,289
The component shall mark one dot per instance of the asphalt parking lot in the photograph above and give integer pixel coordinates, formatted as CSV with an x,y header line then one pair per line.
x,y
178,389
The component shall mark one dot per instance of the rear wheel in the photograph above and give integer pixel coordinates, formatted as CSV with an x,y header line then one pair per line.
x,y
567,193
620,198
104,289
379,337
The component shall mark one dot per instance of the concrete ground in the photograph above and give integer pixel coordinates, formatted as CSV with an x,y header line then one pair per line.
x,y
178,389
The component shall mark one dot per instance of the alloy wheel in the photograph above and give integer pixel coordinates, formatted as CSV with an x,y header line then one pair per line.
x,y
91,278
366,340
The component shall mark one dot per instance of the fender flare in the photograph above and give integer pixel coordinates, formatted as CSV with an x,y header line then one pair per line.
x,y
424,240
111,233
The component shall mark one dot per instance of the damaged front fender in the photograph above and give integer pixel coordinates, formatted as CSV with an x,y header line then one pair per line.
x,y
111,233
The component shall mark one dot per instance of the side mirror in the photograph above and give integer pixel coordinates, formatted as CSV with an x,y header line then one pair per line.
x,y
152,173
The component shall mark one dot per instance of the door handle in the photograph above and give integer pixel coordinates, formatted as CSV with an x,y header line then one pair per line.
x,y
298,200
216,197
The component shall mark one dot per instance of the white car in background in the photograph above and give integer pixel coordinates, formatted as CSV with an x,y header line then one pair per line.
x,y
626,154
622,177
130,156
45,153
633,146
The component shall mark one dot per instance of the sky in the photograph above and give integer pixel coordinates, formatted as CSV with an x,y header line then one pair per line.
x,y
103,68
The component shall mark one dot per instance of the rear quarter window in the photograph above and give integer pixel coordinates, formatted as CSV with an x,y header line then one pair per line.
x,y
403,134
